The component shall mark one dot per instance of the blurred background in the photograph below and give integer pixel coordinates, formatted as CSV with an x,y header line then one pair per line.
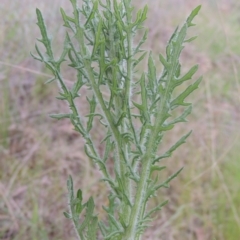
x,y
37,153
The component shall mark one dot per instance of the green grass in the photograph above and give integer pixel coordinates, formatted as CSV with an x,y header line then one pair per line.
x,y
224,215
5,113
40,153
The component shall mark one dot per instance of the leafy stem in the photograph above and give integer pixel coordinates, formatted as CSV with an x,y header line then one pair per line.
x,y
99,46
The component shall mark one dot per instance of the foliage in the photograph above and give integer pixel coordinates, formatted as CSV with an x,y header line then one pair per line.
x,y
99,46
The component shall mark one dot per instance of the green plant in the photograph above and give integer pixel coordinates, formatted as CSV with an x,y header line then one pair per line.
x,y
101,50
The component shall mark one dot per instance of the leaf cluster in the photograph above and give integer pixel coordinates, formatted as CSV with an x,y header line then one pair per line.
x,y
99,46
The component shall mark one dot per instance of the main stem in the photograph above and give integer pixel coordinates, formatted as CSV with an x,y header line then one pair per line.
x,y
140,200
127,104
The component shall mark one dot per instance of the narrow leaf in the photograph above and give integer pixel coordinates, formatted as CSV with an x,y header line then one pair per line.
x,y
193,14
92,229
155,209
67,215
169,152
190,39
46,40
61,116
50,80
188,75
115,222
182,117
180,99
156,168
136,62
79,206
164,62
93,104
89,212
94,9
151,73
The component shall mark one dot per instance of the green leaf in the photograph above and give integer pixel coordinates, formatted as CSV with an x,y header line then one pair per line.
x,y
165,184
115,222
155,209
97,40
169,152
164,62
50,80
118,15
127,136
92,229
108,147
90,154
172,38
187,76
180,99
106,138
182,117
93,104
136,62
94,9
70,188
39,53
67,215
144,106
139,106
152,73
79,194
144,13
79,206
166,127
74,3
66,19
45,39
63,96
114,234
141,42
178,71
156,168
119,121
190,39
77,85
89,214
141,17
193,14
103,229
60,116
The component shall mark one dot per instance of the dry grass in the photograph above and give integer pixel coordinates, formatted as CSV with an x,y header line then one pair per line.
x,y
37,153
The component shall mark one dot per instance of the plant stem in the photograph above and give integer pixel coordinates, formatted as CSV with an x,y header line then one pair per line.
x,y
140,201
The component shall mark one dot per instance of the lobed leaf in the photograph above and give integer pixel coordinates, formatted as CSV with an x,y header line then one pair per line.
x,y
45,39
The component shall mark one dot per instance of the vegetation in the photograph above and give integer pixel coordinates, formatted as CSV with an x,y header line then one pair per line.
x,y
35,156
